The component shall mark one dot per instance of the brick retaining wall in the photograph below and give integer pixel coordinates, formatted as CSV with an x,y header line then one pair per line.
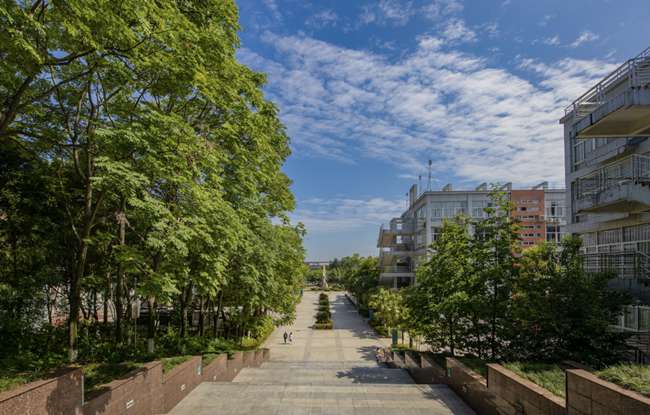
x,y
216,370
513,394
139,393
234,366
180,381
587,394
59,395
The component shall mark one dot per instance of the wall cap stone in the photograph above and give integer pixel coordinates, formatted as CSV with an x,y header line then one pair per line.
x,y
609,385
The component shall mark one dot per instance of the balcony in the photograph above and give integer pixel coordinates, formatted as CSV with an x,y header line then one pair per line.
x,y
622,186
625,264
619,105
390,273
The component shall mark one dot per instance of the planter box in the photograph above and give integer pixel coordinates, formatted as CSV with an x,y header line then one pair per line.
x,y
234,365
266,354
429,372
249,358
516,394
588,394
471,387
139,393
61,394
180,381
217,369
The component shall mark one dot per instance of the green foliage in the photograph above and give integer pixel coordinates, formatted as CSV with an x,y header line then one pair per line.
x,y
630,376
474,363
561,313
171,362
549,376
140,161
97,374
323,326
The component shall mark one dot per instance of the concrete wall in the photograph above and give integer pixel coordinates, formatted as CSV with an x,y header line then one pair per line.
x,y
588,394
513,394
60,395
140,393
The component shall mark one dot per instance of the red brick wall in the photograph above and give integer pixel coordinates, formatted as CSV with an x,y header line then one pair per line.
x,y
180,381
140,394
235,365
514,393
588,394
533,202
60,395
216,370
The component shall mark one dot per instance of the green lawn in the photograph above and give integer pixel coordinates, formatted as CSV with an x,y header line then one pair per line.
x,y
549,376
628,376
10,380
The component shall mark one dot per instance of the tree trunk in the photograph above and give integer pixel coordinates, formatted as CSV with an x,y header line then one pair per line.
x,y
216,314
121,221
201,315
151,327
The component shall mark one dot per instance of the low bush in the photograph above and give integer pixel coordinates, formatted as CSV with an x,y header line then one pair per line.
x,y
323,317
549,376
323,297
629,376
171,362
323,326
379,327
98,374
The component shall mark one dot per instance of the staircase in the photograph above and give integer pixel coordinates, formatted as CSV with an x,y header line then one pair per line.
x,y
323,372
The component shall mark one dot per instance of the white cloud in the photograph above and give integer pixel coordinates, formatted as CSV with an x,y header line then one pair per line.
x,y
345,214
477,122
273,7
437,9
584,37
456,31
552,41
323,18
545,20
396,11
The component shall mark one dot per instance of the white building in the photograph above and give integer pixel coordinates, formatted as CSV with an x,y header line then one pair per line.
x,y
607,168
403,243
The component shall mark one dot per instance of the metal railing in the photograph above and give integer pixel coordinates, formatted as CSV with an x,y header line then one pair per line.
x,y
625,264
636,70
632,169
396,268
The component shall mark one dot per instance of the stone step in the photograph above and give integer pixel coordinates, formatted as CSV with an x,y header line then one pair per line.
x,y
363,399
323,376
318,365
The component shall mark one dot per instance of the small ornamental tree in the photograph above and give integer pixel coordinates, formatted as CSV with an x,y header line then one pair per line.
x,y
389,306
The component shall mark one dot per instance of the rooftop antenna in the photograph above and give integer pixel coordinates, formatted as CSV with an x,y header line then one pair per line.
x,y
429,185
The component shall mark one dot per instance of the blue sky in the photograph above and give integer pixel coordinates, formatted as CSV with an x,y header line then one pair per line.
x,y
371,90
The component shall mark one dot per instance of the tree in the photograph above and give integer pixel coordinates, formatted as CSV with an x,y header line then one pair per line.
x,y
560,312
389,307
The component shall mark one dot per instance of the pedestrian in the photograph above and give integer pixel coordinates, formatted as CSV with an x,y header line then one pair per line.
x,y
285,337
291,337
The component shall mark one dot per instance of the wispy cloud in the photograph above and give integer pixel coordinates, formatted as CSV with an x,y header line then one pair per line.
x,y
552,41
584,37
477,122
438,9
455,30
344,214
273,7
323,18
399,12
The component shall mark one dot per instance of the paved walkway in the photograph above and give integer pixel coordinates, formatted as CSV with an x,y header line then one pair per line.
x,y
322,372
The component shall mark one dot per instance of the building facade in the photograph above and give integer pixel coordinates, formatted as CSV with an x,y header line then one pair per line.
x,y
403,243
607,169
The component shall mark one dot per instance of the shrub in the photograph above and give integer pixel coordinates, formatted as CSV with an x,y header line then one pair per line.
x,y
323,297
171,362
323,326
628,376
323,317
549,376
379,327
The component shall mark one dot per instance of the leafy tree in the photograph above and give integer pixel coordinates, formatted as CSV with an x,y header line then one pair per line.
x,y
560,312
389,307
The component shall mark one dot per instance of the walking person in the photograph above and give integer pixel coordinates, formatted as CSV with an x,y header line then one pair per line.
x,y
285,337
291,337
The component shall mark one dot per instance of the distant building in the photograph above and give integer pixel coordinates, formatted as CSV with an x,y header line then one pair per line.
x,y
607,168
403,243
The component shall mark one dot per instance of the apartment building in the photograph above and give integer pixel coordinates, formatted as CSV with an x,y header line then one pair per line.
x,y
607,169
403,243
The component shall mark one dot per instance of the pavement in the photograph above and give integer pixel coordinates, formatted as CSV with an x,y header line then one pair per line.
x,y
322,372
